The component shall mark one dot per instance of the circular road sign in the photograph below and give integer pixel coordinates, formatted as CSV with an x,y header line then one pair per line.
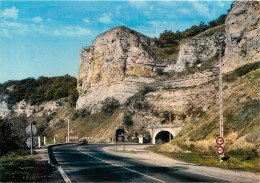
x,y
28,130
28,142
220,150
220,141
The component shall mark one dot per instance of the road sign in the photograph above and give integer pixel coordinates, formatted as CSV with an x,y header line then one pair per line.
x,y
28,130
220,141
29,142
220,150
120,135
73,137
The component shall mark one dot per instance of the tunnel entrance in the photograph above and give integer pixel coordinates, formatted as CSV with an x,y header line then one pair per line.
x,y
162,137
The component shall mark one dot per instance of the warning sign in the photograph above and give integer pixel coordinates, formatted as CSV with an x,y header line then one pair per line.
x,y
73,137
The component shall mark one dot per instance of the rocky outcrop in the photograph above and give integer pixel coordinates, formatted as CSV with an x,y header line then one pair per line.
x,y
24,108
200,48
116,64
242,35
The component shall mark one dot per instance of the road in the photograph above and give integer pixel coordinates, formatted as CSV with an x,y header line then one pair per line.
x,y
92,164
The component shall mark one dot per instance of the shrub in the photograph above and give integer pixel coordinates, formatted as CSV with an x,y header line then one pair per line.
x,y
110,104
128,120
8,141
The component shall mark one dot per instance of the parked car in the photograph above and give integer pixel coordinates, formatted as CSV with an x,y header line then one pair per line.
x,y
82,142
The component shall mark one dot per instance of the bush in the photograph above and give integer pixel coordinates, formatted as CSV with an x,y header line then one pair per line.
x,y
128,120
8,141
110,104
40,90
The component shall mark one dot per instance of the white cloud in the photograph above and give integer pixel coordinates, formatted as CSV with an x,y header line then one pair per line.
x,y
10,13
37,19
106,19
72,31
118,8
9,28
138,4
202,9
49,20
86,20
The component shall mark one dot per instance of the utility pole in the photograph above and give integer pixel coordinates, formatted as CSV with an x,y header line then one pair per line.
x,y
221,133
69,129
170,139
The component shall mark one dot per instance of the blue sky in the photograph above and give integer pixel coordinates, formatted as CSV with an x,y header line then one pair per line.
x,y
44,38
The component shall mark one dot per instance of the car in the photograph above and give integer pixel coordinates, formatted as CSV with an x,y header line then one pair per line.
x,y
82,142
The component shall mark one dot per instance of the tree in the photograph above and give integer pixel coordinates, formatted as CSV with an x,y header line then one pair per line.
x,y
8,141
110,104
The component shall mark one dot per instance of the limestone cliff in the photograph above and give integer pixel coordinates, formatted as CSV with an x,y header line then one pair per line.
x,y
116,64
200,48
242,35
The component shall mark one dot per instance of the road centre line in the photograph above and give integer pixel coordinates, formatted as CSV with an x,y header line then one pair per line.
x,y
113,164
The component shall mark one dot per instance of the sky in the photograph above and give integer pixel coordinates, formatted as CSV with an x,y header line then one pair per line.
x,y
45,38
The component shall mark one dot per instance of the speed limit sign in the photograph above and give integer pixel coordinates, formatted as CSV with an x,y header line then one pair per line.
x,y
220,150
220,141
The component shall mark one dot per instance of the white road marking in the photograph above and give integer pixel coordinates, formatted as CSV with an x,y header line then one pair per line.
x,y
63,174
113,164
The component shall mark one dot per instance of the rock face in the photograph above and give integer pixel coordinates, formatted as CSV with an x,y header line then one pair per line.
x,y
200,48
24,108
118,65
242,35
115,65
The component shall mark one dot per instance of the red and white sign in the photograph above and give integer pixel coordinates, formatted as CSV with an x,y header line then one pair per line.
x,y
88,138
220,141
220,150
73,137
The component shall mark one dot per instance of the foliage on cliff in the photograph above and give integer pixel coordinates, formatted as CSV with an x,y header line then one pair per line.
x,y
37,91
169,38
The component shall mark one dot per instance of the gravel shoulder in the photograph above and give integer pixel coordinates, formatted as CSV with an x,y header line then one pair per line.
x,y
150,157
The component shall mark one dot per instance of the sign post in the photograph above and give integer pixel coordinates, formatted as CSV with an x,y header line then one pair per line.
x,y
31,131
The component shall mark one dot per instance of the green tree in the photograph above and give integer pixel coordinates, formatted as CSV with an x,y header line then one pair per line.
x,y
110,104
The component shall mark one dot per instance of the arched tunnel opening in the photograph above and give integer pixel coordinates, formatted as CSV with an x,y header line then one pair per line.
x,y
163,137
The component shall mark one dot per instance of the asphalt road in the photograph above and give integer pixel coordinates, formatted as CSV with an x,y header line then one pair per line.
x,y
92,164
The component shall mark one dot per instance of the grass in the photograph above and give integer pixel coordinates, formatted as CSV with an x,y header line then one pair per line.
x,y
21,167
235,162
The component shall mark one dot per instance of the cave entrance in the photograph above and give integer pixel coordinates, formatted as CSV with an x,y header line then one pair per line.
x,y
162,137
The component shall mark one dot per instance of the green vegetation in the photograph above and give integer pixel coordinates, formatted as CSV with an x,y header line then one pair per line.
x,y
241,71
234,161
110,104
8,140
40,90
21,167
12,138
170,38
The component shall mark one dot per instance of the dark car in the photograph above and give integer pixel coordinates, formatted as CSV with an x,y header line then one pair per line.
x,y
82,142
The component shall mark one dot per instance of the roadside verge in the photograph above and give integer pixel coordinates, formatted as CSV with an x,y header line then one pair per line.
x,y
157,159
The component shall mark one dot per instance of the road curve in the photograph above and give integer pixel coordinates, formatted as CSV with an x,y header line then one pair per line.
x,y
92,164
